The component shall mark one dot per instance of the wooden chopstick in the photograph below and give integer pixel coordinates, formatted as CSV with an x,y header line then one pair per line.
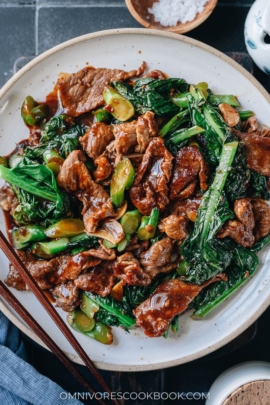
x,y
42,334
43,299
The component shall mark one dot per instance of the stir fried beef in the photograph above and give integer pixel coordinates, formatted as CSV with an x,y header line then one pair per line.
x,y
95,141
66,296
75,178
257,150
169,299
158,258
240,230
189,165
252,224
134,136
150,187
156,74
14,279
261,212
103,169
34,136
43,271
146,129
129,270
99,280
125,139
7,198
188,207
81,92
172,183
175,227
251,125
83,261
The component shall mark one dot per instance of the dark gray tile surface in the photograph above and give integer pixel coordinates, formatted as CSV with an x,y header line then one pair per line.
x,y
58,24
13,22
224,29
67,3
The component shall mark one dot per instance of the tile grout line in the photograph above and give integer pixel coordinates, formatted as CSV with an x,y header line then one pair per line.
x,y
36,29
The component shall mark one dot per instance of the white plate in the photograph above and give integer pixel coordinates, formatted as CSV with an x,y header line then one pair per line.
x,y
179,57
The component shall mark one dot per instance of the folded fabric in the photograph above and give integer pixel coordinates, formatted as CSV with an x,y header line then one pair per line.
x,y
20,383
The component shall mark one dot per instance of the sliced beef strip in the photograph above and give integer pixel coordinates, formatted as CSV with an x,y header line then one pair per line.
x,y
34,136
81,92
251,125
14,279
7,198
129,270
99,280
103,169
157,259
43,271
188,207
135,136
75,178
95,141
150,187
156,74
175,227
146,129
66,296
189,167
257,150
169,299
240,230
125,139
261,212
82,261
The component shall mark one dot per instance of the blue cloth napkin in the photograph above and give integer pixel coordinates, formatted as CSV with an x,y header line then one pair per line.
x,y
20,383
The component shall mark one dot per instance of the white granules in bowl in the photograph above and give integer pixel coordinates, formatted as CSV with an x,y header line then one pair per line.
x,y
170,12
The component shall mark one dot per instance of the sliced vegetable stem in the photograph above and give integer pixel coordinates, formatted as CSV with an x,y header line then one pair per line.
x,y
213,194
183,134
149,225
174,123
244,115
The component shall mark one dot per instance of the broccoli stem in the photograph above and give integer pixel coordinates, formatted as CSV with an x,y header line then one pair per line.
x,y
19,181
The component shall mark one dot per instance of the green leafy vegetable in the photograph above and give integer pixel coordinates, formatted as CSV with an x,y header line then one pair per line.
x,y
205,116
152,95
242,267
113,311
59,136
205,256
37,192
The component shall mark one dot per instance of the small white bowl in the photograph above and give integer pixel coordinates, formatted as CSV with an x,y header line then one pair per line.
x,y
236,377
257,27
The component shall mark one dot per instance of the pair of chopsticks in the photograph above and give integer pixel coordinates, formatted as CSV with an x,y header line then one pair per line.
x,y
43,299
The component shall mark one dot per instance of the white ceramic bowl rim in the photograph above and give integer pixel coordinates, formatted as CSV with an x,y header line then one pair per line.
x,y
195,43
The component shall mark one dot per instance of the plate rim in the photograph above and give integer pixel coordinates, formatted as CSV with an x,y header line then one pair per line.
x,y
139,31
